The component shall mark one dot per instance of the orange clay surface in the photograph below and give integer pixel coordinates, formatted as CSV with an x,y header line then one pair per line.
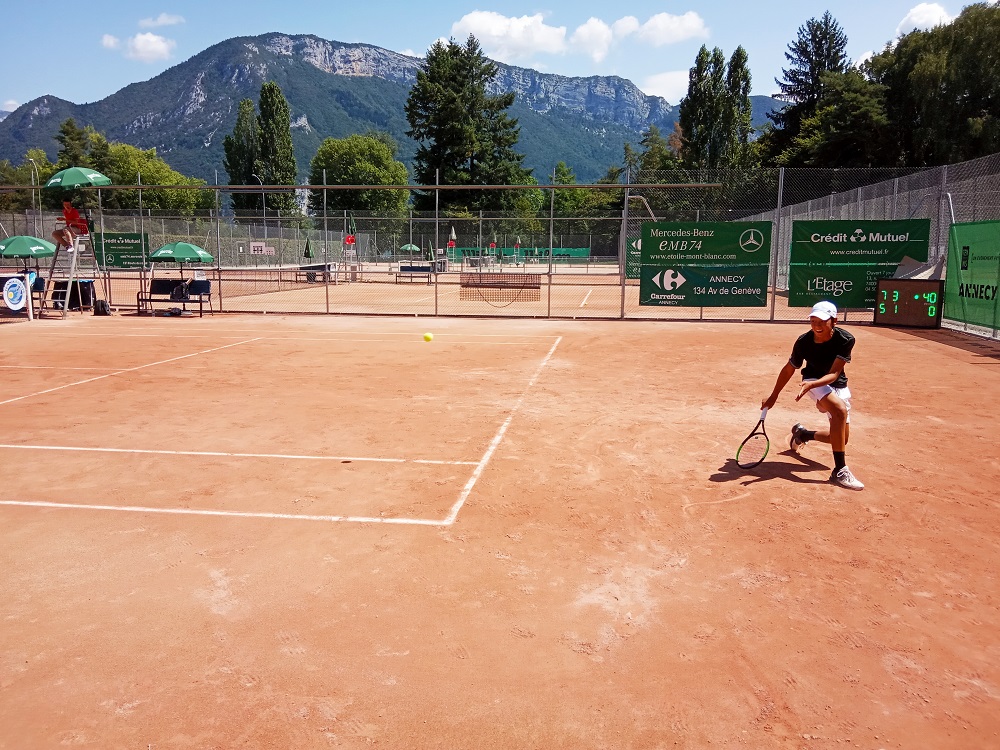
x,y
306,532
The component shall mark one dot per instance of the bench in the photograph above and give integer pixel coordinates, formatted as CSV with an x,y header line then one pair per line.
x,y
411,271
500,287
309,273
166,290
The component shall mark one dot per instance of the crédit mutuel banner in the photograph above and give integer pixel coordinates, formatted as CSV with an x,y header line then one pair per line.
x,y
842,261
705,264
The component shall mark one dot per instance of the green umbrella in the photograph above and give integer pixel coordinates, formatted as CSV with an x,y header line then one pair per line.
x,y
409,249
26,247
308,253
76,177
181,252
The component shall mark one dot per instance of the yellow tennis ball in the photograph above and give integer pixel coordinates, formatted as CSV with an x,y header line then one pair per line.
x,y
428,337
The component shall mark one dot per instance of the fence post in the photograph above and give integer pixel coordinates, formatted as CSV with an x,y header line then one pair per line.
x,y
776,242
622,240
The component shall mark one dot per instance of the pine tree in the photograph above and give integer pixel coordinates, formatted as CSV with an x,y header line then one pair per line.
x,y
715,115
276,162
74,143
242,150
820,47
464,134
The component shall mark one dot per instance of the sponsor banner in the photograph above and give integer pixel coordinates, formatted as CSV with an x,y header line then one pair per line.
x,y
973,278
703,286
860,242
121,249
704,264
842,261
844,285
706,243
633,257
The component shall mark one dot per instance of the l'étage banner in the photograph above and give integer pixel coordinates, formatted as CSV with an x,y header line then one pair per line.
x,y
705,264
843,260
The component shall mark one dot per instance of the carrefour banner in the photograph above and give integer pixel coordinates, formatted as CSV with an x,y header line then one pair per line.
x,y
705,264
842,261
970,292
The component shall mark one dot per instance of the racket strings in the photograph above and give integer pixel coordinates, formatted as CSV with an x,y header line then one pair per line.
x,y
752,451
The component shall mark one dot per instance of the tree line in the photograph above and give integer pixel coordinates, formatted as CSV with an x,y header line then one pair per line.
x,y
928,98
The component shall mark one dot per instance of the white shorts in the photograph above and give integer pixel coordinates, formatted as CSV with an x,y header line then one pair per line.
x,y
818,394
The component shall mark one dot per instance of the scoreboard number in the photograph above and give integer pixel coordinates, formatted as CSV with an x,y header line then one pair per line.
x,y
911,303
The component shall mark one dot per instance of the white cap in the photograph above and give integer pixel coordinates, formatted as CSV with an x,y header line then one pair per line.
x,y
824,310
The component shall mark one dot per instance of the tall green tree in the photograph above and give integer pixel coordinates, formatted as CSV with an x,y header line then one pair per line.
x,y
464,135
737,115
819,47
358,160
74,146
942,89
276,161
715,115
849,129
242,150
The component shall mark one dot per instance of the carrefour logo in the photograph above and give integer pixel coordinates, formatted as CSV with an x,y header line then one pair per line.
x,y
669,280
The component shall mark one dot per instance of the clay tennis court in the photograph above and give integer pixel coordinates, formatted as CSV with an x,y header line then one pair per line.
x,y
311,532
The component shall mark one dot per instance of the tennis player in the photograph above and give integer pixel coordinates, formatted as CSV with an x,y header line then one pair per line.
x,y
824,350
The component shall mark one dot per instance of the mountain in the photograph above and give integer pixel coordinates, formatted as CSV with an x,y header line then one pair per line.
x,y
3,114
333,90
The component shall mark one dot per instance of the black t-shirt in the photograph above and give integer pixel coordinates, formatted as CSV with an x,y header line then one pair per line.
x,y
819,358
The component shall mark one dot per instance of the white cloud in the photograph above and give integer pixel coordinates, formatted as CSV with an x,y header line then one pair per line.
x,y
110,42
149,48
509,39
9,106
625,26
164,19
594,38
664,28
672,86
923,16
865,57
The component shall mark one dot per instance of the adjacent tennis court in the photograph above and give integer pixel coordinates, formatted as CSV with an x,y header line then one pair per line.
x,y
271,531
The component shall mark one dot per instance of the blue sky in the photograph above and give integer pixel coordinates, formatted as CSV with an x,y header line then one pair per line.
x,y
84,52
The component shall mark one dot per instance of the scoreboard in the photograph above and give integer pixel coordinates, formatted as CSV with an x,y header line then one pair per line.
x,y
913,303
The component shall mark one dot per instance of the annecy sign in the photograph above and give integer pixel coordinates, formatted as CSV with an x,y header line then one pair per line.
x,y
705,264
842,261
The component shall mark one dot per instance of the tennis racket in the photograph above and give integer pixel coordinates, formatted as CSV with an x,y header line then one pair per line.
x,y
754,448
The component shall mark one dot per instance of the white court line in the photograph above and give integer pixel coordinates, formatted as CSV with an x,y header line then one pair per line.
x,y
589,292
217,454
447,521
443,294
226,513
122,372
417,339
450,519
50,367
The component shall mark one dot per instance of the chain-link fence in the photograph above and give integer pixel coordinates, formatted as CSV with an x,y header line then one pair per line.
x,y
583,265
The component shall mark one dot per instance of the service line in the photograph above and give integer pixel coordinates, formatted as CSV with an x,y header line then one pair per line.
x,y
123,372
219,454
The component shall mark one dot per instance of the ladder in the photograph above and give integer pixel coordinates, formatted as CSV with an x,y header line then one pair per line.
x,y
70,267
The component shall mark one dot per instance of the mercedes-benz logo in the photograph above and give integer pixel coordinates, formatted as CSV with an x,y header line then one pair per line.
x,y
751,240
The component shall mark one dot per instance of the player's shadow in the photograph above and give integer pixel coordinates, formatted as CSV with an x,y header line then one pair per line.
x,y
769,470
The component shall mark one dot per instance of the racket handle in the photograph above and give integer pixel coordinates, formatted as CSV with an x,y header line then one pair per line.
x,y
763,413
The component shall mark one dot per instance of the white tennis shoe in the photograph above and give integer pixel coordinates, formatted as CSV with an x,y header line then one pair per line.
x,y
845,478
